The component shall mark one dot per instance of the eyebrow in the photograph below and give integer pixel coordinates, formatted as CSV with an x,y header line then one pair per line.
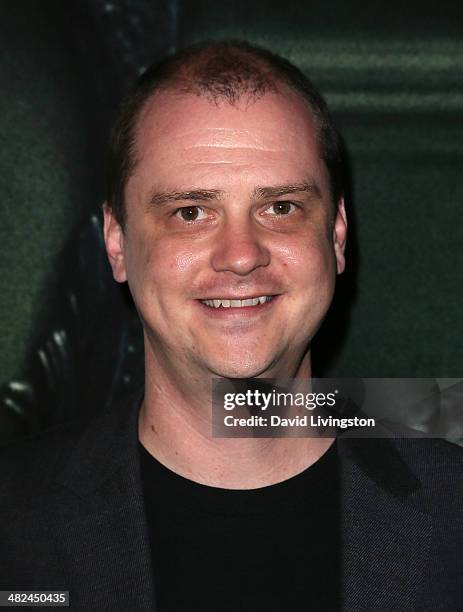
x,y
280,190
206,195
195,195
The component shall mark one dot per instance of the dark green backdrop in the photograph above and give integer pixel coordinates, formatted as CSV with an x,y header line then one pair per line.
x,y
393,77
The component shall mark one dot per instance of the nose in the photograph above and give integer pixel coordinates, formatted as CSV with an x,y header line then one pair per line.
x,y
239,249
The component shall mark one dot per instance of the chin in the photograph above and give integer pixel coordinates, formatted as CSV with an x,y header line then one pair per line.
x,y
240,369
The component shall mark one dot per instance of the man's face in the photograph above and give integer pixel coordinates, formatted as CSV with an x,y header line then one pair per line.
x,y
228,204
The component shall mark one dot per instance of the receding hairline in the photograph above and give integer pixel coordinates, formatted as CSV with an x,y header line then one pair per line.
x,y
223,70
178,88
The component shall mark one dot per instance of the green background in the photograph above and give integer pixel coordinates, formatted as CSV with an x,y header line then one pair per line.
x,y
393,78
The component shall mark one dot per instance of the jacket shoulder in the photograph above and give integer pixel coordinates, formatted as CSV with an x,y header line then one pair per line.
x,y
430,456
438,467
28,466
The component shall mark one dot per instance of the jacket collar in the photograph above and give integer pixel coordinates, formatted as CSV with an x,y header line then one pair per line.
x,y
385,538
107,444
102,535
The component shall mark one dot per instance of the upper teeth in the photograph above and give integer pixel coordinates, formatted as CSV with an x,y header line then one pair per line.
x,y
216,303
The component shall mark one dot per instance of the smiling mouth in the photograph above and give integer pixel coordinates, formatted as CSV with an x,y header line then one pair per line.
x,y
237,303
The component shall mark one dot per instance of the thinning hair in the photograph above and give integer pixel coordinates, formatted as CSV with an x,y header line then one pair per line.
x,y
225,71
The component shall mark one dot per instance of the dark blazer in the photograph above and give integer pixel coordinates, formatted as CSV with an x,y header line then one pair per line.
x,y
72,518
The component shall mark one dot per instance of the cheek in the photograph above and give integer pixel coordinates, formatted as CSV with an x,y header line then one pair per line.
x,y
183,263
161,267
308,261
310,273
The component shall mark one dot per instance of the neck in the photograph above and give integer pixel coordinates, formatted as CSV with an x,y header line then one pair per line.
x,y
175,424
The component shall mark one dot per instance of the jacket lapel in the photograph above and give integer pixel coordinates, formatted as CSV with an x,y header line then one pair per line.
x,y
385,539
102,537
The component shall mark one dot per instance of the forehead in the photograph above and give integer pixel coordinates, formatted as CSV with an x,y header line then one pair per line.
x,y
184,137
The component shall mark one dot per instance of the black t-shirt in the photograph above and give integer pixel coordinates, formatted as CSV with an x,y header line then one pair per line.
x,y
276,548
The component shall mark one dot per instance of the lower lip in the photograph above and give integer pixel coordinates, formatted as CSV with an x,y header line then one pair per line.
x,y
242,311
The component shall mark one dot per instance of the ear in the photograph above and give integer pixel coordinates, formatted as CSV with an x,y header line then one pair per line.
x,y
340,235
114,241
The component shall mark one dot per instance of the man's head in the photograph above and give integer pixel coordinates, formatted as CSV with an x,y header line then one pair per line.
x,y
227,189
220,72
